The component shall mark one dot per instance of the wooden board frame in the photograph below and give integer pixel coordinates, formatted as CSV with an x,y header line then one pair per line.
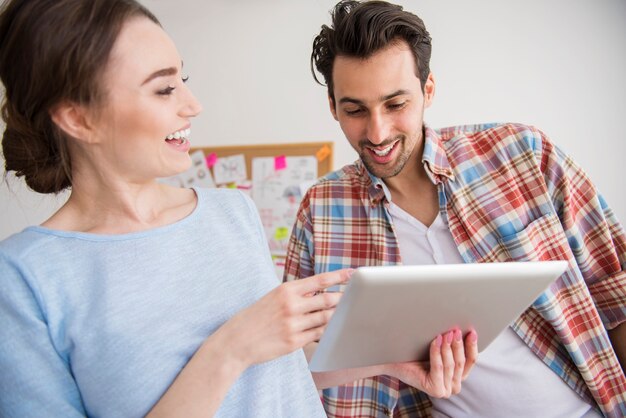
x,y
291,149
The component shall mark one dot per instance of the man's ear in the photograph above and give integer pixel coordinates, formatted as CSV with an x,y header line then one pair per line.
x,y
72,119
333,109
429,90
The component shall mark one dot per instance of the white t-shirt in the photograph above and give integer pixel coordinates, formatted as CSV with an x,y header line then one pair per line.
x,y
508,380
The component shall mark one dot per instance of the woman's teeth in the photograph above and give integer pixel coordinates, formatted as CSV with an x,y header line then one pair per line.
x,y
183,133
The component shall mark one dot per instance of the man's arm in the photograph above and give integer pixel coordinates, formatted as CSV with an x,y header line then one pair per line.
x,y
597,239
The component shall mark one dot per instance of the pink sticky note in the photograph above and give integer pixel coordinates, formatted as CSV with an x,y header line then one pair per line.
x,y
211,159
280,162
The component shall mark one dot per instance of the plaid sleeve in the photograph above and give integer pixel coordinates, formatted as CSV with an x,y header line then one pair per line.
x,y
594,234
299,262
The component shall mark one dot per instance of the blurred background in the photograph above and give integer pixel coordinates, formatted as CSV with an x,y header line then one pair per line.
x,y
559,65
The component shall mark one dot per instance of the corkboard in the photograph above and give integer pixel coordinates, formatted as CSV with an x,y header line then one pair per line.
x,y
323,151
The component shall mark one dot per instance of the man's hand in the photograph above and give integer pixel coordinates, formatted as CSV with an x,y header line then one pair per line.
x,y
450,363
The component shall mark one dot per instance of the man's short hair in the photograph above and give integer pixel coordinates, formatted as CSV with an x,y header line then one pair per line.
x,y
360,29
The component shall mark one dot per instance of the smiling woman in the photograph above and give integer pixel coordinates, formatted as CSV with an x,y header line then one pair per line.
x,y
135,297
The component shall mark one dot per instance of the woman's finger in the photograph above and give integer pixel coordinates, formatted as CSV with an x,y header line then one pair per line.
x,y
320,301
321,281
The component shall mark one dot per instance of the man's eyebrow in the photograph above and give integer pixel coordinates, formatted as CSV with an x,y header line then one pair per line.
x,y
165,72
382,99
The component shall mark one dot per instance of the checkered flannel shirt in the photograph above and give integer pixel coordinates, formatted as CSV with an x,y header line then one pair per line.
x,y
507,194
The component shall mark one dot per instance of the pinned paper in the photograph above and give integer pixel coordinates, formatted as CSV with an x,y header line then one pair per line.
x,y
322,153
279,265
276,194
211,159
230,169
246,187
280,162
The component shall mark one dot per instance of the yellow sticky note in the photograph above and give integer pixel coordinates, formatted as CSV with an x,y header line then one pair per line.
x,y
282,232
322,153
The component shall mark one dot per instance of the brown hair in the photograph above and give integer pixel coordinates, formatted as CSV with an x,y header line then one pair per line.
x,y
52,51
360,29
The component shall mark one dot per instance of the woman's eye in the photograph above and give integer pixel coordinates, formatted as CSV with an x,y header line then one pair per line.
x,y
185,78
166,91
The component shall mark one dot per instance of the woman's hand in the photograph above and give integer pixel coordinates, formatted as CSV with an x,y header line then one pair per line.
x,y
289,317
450,363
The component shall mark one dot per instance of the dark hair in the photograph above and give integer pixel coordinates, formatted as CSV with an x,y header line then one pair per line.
x,y
360,29
52,51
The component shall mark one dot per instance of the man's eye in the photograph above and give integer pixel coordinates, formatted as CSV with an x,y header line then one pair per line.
x,y
396,106
352,112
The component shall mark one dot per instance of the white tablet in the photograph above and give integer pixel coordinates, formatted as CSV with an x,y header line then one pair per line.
x,y
392,313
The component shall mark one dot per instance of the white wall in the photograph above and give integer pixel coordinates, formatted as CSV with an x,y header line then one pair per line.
x,y
559,65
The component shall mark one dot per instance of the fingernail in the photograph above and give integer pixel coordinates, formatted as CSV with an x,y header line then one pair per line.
x,y
438,341
473,337
449,337
457,335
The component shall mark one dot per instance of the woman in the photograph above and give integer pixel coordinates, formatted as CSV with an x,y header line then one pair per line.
x,y
137,298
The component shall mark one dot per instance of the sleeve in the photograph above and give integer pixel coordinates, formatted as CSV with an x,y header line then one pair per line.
x,y
34,380
594,234
300,262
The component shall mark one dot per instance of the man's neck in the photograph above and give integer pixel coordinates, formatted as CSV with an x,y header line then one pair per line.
x,y
414,192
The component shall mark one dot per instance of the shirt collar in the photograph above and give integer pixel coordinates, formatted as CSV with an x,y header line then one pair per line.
x,y
434,159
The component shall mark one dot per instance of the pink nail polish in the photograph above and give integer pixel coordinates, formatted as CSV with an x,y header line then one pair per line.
x,y
438,341
449,337
473,337
458,335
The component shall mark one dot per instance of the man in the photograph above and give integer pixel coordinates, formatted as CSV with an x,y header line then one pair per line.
x,y
472,194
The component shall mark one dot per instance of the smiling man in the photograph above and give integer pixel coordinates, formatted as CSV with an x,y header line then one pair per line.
x,y
464,194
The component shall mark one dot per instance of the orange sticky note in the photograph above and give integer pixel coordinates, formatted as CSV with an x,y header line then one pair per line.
x,y
322,153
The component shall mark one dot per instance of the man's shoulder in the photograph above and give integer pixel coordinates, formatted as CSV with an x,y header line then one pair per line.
x,y
488,131
488,138
349,176
349,183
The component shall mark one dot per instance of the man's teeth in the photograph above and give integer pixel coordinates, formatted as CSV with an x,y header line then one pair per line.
x,y
183,133
384,151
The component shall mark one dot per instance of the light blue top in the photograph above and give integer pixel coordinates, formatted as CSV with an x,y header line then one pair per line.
x,y
101,325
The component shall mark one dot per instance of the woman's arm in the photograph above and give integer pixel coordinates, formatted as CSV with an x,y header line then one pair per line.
x,y
291,316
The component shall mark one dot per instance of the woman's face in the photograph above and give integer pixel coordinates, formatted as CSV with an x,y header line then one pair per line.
x,y
141,130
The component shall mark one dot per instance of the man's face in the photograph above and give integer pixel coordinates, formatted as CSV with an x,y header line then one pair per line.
x,y
379,105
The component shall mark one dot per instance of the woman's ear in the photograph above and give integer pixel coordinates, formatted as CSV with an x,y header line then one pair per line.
x,y
72,119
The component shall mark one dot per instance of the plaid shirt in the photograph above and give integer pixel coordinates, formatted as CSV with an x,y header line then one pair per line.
x,y
507,194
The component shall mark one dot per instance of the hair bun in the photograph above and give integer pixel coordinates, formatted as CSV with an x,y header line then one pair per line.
x,y
30,153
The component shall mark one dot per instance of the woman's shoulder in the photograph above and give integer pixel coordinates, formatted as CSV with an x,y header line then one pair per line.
x,y
21,244
230,201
